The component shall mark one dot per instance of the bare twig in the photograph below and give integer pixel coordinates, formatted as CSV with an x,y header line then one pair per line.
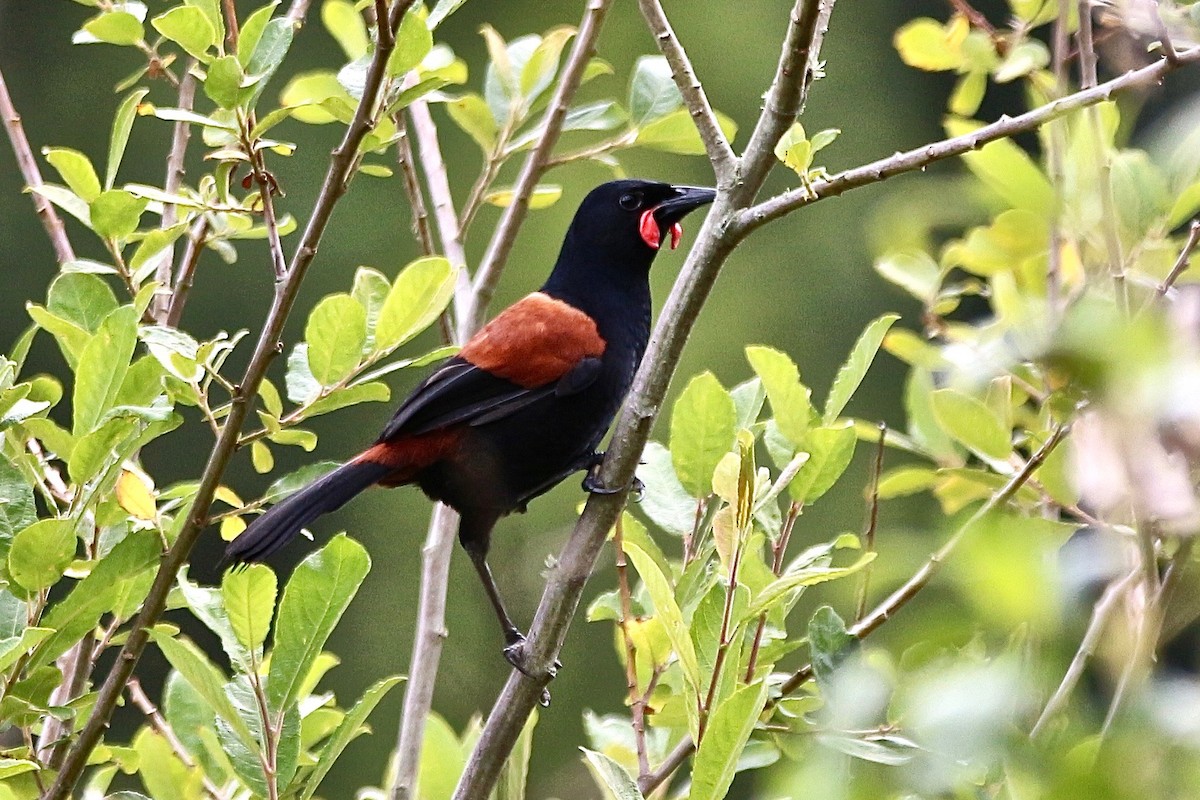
x,y
427,648
76,667
864,585
161,307
297,11
637,703
876,171
406,161
1184,260
33,177
1087,648
895,601
720,154
778,551
186,276
449,230
336,182
501,243
973,15
231,26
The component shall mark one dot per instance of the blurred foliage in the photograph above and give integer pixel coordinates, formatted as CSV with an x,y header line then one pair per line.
x,y
1053,297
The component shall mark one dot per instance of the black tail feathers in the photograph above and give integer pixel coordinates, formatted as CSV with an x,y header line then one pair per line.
x,y
286,518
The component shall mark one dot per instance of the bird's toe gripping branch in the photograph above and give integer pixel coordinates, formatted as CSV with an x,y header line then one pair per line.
x,y
516,652
591,481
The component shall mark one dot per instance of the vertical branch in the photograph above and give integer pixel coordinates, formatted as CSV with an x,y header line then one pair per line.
x,y
1055,155
501,243
33,177
720,154
335,184
637,702
1108,224
160,308
406,161
864,585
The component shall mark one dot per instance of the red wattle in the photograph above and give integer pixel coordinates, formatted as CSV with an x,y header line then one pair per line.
x,y
676,235
648,228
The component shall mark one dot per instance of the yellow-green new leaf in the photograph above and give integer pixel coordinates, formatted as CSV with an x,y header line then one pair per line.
x,y
188,27
663,597
789,398
855,369
76,169
420,293
40,553
702,428
971,423
102,367
611,776
249,598
346,26
336,332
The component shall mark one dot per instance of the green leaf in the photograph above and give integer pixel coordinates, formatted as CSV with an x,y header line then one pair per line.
x,y
208,681
351,726
652,92
830,449
789,398
544,195
112,27
611,776
666,502
11,767
115,213
102,367
663,596
972,423
414,40
370,290
346,26
1008,171
373,392
17,509
251,34
514,775
302,387
441,10
336,332
419,294
702,428
676,133
442,760
906,481
40,553
268,54
249,598
828,641
782,589
164,774
538,71
82,299
187,26
316,596
13,647
122,125
261,458
76,169
130,560
795,150
728,730
223,84
1027,56
852,372
927,44
914,271
470,112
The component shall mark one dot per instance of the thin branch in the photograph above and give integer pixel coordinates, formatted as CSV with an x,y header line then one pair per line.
x,y
144,704
789,88
406,160
778,551
186,276
876,171
496,256
231,26
297,11
888,608
974,16
449,231
75,667
33,177
160,309
336,182
427,649
1087,648
637,701
720,154
864,586
1184,260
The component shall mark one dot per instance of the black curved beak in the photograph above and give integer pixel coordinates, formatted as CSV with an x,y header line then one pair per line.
x,y
686,199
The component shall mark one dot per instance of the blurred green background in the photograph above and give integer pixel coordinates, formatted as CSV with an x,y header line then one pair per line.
x,y
804,285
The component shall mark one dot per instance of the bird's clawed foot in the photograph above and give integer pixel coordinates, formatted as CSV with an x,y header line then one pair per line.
x,y
516,652
591,481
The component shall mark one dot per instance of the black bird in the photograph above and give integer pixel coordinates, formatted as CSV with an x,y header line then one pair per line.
x,y
527,400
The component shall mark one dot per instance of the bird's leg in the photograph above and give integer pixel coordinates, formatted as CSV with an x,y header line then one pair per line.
x,y
591,481
474,534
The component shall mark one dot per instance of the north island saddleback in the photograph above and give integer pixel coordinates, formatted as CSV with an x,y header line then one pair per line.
x,y
527,400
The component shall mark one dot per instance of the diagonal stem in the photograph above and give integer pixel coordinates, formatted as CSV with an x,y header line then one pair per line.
x,y
336,182
33,177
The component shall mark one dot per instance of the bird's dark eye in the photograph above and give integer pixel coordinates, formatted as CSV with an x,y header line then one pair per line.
x,y
631,201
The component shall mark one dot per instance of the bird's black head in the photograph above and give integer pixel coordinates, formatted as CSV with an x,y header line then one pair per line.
x,y
618,230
